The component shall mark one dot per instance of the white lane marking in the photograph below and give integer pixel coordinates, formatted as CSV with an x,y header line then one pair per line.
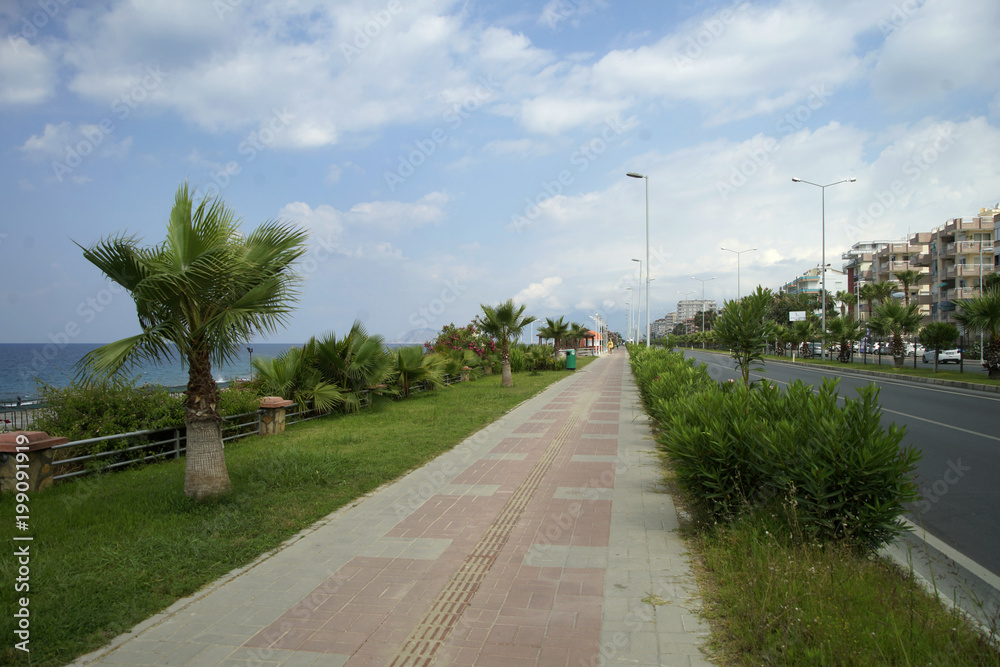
x,y
906,414
960,558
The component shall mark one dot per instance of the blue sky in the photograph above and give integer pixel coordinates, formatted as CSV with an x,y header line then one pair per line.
x,y
447,154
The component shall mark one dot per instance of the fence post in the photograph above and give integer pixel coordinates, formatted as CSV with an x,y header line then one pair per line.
x,y
177,443
26,460
271,416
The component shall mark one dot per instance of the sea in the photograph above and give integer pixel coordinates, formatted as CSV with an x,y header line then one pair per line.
x,y
24,365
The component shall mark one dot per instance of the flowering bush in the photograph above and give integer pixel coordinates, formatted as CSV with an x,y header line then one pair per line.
x,y
469,337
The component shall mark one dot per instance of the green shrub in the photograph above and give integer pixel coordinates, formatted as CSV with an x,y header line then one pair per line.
x,y
80,411
737,448
517,361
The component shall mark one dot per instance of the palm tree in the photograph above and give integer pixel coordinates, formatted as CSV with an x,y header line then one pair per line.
x,y
202,294
742,328
907,279
358,363
801,333
577,333
293,375
897,320
412,366
883,290
846,330
557,330
869,296
982,315
504,322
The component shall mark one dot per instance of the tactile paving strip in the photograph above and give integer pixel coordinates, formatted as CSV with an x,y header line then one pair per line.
x,y
443,615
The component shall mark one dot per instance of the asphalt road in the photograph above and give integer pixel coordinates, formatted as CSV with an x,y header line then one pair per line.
x,y
955,429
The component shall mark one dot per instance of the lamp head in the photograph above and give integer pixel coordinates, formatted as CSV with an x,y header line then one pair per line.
x,y
633,174
796,180
851,180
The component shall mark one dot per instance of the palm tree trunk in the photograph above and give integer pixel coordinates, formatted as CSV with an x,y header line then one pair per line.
x,y
506,378
205,473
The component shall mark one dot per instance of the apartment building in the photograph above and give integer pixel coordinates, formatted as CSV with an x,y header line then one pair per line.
x,y
688,308
961,254
811,282
910,255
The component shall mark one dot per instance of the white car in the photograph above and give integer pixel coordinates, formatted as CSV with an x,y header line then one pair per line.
x,y
944,357
919,350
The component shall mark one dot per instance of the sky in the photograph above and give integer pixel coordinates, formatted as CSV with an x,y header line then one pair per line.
x,y
446,154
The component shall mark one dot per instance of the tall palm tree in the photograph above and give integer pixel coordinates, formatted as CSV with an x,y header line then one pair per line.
x,y
883,290
845,330
557,330
504,322
869,296
908,279
898,320
982,315
577,333
201,294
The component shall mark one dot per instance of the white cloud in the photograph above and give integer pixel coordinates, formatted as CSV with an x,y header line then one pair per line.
x,y
27,73
934,50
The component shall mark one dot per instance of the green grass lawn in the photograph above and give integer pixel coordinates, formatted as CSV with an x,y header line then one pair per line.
x,y
110,551
777,600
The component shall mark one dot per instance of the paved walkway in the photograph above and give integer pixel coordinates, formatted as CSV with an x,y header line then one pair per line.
x,y
544,539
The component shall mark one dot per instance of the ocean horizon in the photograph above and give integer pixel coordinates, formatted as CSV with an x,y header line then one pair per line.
x,y
24,365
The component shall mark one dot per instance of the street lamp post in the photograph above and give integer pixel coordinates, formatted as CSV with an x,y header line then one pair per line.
x,y
738,253
638,305
703,281
633,174
823,262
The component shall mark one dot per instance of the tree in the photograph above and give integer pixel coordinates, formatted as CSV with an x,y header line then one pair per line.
x,y
846,330
982,315
358,363
801,333
895,319
556,330
742,327
869,296
202,294
937,336
505,322
847,301
411,366
294,376
883,290
907,279
578,333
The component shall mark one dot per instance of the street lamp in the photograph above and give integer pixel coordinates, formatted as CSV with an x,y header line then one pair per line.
x,y
738,253
823,262
703,281
633,174
638,306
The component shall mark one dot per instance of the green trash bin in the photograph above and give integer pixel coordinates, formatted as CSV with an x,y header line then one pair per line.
x,y
571,360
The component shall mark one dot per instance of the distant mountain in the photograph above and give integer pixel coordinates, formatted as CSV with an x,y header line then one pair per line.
x,y
416,336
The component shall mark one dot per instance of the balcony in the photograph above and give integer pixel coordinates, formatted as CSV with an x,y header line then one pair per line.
x,y
923,259
961,293
966,223
925,298
968,247
967,270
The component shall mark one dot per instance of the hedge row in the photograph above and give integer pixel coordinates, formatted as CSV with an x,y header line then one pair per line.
x,y
736,449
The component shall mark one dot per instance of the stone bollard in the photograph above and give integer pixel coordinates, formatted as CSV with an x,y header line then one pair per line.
x,y
271,415
26,460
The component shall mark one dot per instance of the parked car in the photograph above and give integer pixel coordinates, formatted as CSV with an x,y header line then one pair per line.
x,y
919,349
944,357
